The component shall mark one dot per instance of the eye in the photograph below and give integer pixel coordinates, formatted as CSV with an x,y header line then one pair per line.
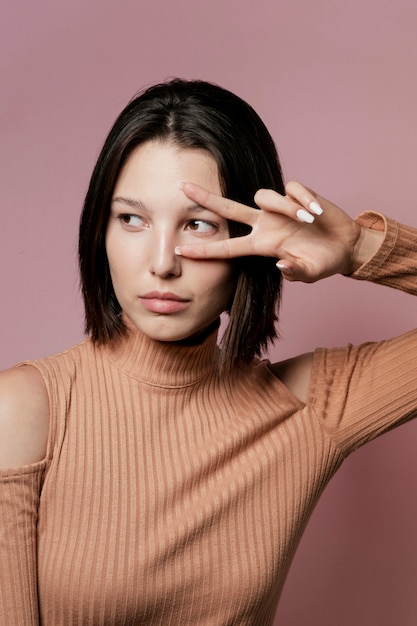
x,y
131,220
202,227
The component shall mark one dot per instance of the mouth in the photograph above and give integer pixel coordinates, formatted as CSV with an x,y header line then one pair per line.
x,y
164,302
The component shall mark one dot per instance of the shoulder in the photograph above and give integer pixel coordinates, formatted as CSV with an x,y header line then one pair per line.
x,y
295,374
24,417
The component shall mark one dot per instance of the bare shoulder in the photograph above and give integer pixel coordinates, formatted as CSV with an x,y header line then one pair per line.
x,y
295,374
24,417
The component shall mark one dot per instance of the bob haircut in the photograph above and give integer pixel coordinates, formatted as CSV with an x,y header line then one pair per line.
x,y
189,114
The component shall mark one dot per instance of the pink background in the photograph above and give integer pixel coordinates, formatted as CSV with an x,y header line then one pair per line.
x,y
336,84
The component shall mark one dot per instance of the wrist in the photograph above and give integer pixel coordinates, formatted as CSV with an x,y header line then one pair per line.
x,y
367,244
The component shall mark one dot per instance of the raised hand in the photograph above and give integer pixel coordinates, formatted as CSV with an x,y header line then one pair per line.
x,y
311,237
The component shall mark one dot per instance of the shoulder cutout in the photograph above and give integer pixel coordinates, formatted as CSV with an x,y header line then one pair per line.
x,y
295,374
24,417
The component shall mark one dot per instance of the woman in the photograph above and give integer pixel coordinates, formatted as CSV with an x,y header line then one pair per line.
x,y
150,477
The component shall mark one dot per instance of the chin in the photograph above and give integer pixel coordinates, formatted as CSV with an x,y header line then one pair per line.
x,y
169,336
190,336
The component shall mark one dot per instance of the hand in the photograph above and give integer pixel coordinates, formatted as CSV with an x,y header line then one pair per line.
x,y
310,245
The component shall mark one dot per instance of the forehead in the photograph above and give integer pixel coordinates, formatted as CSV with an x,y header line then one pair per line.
x,y
162,166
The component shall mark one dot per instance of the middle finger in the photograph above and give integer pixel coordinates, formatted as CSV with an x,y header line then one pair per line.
x,y
229,209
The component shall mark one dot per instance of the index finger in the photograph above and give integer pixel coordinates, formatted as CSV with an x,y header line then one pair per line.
x,y
229,209
222,249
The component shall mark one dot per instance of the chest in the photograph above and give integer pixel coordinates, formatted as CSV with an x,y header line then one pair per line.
x,y
163,505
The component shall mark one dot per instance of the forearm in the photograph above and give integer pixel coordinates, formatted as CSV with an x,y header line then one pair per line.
x,y
394,262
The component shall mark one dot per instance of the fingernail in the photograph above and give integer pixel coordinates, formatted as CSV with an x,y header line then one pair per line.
x,y
181,184
305,216
283,268
316,208
177,250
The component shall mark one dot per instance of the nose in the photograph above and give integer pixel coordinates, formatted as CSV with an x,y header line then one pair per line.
x,y
164,263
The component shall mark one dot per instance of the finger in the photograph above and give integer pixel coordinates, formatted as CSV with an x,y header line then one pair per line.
x,y
286,270
223,249
229,209
293,272
304,196
271,201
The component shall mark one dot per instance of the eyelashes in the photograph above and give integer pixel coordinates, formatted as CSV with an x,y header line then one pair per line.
x,y
132,220
202,227
135,222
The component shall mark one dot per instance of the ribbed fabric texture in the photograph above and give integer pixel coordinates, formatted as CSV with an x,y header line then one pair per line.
x,y
394,264
173,496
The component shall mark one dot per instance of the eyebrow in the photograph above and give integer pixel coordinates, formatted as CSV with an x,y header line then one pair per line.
x,y
140,206
134,204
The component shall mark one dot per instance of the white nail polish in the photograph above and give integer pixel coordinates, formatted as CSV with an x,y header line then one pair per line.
x,y
305,216
315,208
177,250
283,268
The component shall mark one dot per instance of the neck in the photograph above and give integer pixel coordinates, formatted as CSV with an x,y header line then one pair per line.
x,y
167,364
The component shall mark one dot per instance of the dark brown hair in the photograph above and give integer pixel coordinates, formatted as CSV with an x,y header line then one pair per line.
x,y
191,114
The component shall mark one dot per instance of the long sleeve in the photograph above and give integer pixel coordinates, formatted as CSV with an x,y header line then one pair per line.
x,y
19,498
395,262
362,391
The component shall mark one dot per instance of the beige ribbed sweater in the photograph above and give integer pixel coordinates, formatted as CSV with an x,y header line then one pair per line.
x,y
171,495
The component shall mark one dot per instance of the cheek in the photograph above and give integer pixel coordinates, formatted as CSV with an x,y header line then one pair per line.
x,y
219,282
110,251
123,261
115,264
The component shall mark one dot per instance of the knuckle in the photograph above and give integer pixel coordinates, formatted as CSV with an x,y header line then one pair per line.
x,y
226,247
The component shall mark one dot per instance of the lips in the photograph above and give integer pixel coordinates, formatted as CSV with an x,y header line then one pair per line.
x,y
164,302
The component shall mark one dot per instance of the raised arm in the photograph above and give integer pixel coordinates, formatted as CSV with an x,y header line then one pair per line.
x,y
394,264
312,238
24,419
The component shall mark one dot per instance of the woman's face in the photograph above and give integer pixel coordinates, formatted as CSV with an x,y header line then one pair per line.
x,y
167,297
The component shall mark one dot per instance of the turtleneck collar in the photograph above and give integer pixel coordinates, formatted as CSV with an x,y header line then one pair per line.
x,y
165,364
